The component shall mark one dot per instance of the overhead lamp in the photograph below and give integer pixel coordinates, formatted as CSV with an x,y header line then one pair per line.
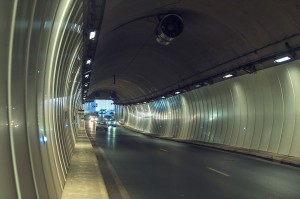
x,y
197,85
163,97
228,76
177,92
282,59
145,102
89,61
87,76
86,84
92,35
85,91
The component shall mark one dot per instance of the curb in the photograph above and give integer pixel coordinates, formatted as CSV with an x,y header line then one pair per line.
x,y
283,159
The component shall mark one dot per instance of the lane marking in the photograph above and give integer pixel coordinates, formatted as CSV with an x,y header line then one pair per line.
x,y
164,150
119,184
219,172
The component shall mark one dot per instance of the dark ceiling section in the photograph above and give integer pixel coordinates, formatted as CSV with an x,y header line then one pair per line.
x,y
218,35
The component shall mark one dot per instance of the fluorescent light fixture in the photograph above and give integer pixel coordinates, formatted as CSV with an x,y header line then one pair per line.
x,y
163,97
177,92
89,61
282,59
197,85
145,102
86,84
228,75
85,91
92,35
87,75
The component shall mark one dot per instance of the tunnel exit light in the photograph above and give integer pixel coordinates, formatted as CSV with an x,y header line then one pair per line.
x,y
282,59
92,35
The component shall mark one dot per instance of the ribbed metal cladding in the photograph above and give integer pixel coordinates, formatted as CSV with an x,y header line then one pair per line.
x,y
257,111
41,57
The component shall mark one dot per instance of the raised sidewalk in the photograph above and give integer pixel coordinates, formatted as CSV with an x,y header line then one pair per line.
x,y
84,179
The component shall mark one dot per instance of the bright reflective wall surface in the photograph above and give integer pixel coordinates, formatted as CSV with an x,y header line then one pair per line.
x,y
257,111
41,48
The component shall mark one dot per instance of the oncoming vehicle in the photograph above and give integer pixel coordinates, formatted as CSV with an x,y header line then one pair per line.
x,y
92,117
111,122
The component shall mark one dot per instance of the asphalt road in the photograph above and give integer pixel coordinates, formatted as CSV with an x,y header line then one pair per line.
x,y
140,167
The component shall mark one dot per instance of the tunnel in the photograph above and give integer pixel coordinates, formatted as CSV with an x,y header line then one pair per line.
x,y
214,74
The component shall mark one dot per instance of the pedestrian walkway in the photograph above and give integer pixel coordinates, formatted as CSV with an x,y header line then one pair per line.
x,y
84,178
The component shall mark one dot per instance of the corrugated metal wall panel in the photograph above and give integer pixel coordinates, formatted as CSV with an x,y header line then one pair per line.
x,y
255,111
35,106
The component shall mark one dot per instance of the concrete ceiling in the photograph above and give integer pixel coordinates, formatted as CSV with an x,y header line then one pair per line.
x,y
218,35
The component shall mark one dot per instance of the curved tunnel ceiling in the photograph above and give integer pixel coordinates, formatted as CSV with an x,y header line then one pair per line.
x,y
218,35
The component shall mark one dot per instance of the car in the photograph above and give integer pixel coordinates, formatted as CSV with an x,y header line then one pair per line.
x,y
107,117
101,121
102,111
111,122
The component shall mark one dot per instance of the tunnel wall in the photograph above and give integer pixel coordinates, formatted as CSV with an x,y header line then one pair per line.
x,y
258,111
39,94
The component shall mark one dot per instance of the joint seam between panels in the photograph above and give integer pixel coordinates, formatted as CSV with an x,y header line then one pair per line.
x,y
26,78
51,62
283,118
58,143
294,100
12,144
70,106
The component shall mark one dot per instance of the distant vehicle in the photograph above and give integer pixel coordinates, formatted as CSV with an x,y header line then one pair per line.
x,y
111,113
102,111
111,122
101,121
91,117
107,117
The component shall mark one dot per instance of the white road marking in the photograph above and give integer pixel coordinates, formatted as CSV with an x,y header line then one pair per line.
x,y
122,189
219,172
164,150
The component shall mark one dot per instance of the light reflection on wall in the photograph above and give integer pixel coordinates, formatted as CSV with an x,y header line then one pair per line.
x,y
257,111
